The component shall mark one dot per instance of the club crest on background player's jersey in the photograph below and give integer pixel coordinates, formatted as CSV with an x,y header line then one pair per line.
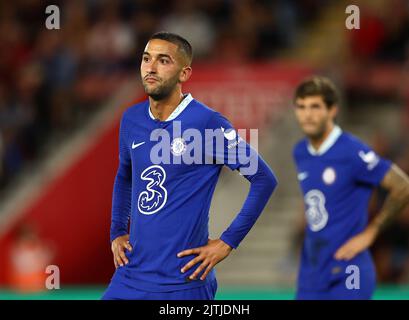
x,y
316,213
178,146
329,175
155,196
369,158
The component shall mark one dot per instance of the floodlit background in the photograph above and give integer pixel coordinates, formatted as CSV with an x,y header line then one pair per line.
x,y
62,93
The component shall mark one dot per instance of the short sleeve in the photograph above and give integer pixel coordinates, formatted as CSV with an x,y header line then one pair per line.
x,y
369,167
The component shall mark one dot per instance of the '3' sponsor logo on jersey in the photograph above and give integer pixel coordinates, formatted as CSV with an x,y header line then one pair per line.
x,y
154,197
316,214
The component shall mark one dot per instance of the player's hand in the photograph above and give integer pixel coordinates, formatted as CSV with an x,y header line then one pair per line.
x,y
118,247
356,244
210,255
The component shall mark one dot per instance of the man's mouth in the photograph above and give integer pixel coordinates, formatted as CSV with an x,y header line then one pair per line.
x,y
151,79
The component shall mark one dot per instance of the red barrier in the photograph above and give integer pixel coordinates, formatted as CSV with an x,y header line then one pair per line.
x,y
72,214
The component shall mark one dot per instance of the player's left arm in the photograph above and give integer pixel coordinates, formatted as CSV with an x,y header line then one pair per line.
x,y
262,185
396,182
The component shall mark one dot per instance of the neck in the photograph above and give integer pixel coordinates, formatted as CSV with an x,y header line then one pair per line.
x,y
162,109
316,142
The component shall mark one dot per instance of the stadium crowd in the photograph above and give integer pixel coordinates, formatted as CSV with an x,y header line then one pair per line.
x,y
52,80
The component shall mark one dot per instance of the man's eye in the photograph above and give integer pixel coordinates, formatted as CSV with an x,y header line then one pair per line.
x,y
146,59
164,61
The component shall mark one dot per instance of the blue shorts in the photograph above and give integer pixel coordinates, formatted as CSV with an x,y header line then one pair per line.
x,y
337,290
118,290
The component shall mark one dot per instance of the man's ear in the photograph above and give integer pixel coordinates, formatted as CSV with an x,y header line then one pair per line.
x,y
185,74
334,111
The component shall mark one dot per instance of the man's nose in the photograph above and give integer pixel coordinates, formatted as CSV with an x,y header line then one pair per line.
x,y
307,112
151,67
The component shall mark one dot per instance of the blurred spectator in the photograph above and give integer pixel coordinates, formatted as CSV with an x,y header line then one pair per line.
x,y
187,20
367,41
395,44
51,81
110,40
29,258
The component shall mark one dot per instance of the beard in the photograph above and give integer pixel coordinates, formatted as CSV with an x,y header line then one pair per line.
x,y
163,89
318,133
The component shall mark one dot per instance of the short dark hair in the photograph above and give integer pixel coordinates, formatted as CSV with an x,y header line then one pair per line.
x,y
318,86
183,45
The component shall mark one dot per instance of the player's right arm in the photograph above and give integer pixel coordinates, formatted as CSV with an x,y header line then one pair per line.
x,y
121,201
118,247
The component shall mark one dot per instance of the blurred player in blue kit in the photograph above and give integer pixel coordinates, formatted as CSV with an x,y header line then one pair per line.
x,y
167,253
337,174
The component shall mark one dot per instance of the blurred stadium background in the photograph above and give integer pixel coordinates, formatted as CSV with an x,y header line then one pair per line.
x,y
62,93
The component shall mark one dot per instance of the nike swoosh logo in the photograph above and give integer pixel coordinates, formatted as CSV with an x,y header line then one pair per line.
x,y
137,144
302,176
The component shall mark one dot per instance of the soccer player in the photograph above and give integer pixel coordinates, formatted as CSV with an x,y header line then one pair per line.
x,y
337,173
167,253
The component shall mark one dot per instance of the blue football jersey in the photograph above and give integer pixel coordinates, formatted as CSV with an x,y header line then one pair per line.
x,y
167,202
337,182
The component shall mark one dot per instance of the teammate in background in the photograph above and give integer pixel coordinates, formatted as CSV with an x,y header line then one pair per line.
x,y
337,173
167,253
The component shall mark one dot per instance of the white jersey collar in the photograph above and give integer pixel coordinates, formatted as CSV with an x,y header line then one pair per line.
x,y
182,106
327,144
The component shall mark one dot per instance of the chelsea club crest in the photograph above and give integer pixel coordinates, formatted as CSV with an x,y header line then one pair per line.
x,y
178,146
329,175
